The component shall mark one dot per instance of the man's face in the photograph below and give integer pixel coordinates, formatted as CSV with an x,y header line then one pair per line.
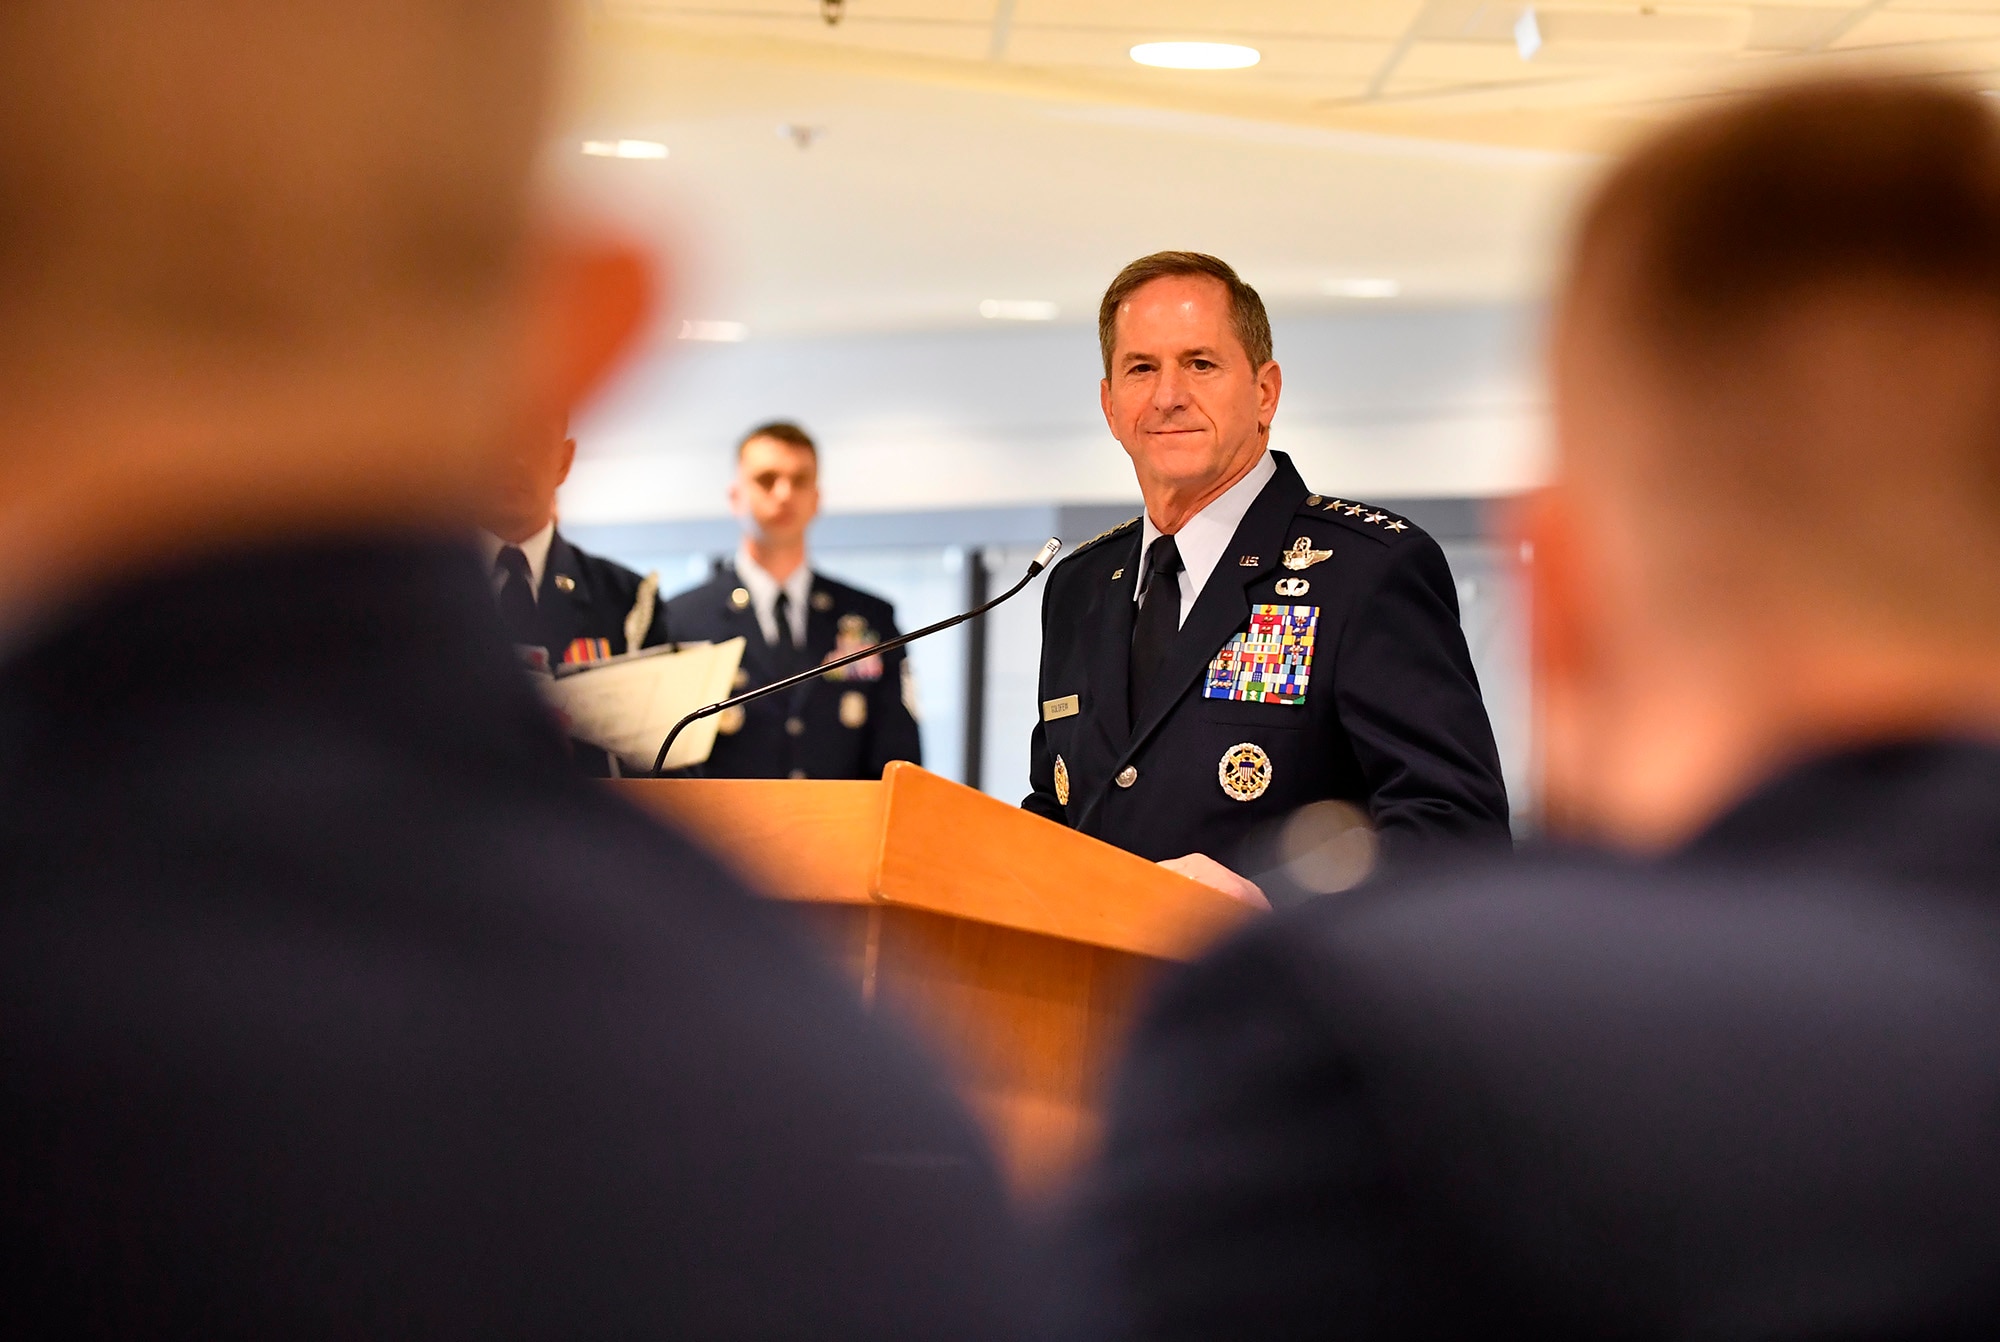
x,y
776,491
525,480
1183,397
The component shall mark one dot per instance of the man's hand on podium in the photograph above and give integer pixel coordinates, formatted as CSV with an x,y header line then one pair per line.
x,y
1203,868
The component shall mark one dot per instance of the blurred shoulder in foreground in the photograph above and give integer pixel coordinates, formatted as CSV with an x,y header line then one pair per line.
x,y
1744,1093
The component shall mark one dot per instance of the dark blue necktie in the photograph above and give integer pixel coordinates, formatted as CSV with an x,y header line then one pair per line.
x,y
1159,620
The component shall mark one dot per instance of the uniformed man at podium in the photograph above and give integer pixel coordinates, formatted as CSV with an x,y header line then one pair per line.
x,y
1246,645
848,723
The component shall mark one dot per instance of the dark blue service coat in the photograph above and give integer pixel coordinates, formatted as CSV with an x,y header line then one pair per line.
x,y
846,724
344,1008
1322,660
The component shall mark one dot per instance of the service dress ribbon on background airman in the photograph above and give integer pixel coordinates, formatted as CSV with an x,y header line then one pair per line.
x,y
853,634
1268,663
583,651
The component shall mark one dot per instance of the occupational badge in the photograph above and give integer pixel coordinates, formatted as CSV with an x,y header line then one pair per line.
x,y
1302,555
853,635
1245,771
1268,663
730,720
1062,782
853,710
1293,587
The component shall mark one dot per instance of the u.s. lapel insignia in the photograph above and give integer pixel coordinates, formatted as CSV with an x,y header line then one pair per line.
x,y
1062,782
565,583
1303,556
822,601
1245,771
1116,574
1293,587
1249,561
854,710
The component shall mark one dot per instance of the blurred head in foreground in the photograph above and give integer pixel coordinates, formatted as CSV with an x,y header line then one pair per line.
x,y
269,268
1776,522
1740,1084
338,1004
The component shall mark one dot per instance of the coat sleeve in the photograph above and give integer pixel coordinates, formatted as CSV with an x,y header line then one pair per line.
x,y
1242,1189
1409,703
1041,798
892,728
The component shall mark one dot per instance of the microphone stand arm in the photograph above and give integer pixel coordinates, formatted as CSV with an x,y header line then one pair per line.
x,y
666,747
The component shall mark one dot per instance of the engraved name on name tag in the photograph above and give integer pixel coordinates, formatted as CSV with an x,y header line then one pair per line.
x,y
1065,707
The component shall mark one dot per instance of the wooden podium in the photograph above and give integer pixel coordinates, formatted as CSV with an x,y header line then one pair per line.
x,y
1015,946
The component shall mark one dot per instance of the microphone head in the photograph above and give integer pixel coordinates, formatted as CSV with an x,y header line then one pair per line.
x,y
1042,559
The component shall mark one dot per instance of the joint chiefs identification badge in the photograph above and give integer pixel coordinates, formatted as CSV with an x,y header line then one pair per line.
x,y
1062,782
1245,771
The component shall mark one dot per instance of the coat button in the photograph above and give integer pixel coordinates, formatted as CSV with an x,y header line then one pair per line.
x,y
1127,776
795,726
797,773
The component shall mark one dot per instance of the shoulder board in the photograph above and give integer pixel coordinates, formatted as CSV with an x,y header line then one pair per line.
x,y
1105,534
1366,518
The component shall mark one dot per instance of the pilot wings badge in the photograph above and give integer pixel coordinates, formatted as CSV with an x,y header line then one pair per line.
x,y
1302,555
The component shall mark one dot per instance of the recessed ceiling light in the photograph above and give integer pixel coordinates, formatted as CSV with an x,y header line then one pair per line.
x,y
625,148
1018,310
1195,55
1363,287
726,332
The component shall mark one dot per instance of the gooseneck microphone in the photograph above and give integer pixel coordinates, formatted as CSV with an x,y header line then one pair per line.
x,y
1041,562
